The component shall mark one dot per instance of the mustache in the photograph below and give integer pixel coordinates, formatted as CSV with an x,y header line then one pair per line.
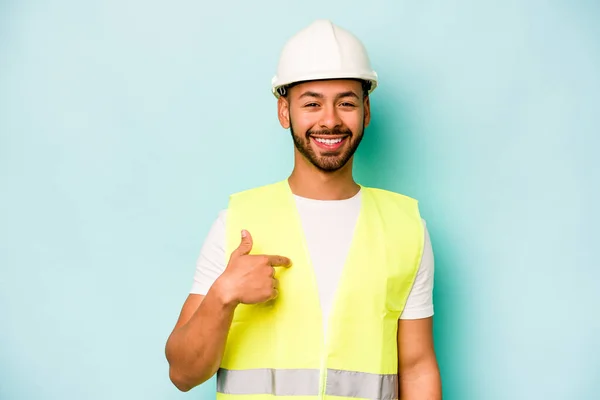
x,y
330,132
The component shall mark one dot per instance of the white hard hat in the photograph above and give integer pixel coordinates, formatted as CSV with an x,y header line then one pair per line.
x,y
322,50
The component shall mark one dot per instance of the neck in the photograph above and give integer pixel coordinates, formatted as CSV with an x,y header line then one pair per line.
x,y
308,181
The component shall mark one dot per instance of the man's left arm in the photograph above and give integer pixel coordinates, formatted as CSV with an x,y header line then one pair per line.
x,y
418,371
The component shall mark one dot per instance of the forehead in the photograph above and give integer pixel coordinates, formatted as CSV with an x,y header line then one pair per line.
x,y
327,87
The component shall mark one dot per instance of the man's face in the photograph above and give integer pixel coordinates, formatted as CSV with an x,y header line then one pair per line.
x,y
326,119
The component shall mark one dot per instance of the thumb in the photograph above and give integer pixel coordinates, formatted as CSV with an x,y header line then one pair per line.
x,y
245,245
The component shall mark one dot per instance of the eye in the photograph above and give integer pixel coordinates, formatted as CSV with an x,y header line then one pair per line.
x,y
347,104
311,105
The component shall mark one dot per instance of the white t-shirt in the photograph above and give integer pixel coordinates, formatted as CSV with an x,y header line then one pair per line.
x,y
328,228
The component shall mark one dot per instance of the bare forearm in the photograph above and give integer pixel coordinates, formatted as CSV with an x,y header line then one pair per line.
x,y
423,383
195,350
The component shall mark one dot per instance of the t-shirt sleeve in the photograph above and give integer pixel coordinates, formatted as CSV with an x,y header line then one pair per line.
x,y
211,261
420,300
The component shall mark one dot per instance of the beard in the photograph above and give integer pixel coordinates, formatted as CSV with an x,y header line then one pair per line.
x,y
327,161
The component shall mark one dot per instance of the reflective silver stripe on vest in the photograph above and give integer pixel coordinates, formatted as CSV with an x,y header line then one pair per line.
x,y
361,384
305,382
279,382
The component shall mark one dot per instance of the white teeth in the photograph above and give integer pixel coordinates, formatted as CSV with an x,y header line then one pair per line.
x,y
329,141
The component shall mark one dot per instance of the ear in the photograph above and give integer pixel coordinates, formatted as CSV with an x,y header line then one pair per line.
x,y
283,112
367,112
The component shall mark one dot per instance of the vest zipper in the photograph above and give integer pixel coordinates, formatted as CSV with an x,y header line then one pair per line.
x,y
323,378
323,371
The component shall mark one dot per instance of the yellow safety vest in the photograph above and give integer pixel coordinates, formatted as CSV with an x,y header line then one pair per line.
x,y
277,348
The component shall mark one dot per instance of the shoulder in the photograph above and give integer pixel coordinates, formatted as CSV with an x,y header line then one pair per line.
x,y
389,197
258,191
391,194
261,188
388,193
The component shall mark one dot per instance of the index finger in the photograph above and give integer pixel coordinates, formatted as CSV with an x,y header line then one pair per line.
x,y
279,261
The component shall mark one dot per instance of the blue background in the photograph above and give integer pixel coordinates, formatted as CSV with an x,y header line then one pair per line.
x,y
125,125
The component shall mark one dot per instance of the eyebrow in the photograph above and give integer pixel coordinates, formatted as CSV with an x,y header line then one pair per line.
x,y
349,93
311,94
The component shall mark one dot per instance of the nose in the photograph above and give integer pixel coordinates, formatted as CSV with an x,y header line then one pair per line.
x,y
330,118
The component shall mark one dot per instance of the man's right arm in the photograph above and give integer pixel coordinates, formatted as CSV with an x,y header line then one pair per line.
x,y
195,347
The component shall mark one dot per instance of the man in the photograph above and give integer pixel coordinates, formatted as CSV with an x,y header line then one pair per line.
x,y
314,286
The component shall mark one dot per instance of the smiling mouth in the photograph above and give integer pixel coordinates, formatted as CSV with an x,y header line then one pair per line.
x,y
329,143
